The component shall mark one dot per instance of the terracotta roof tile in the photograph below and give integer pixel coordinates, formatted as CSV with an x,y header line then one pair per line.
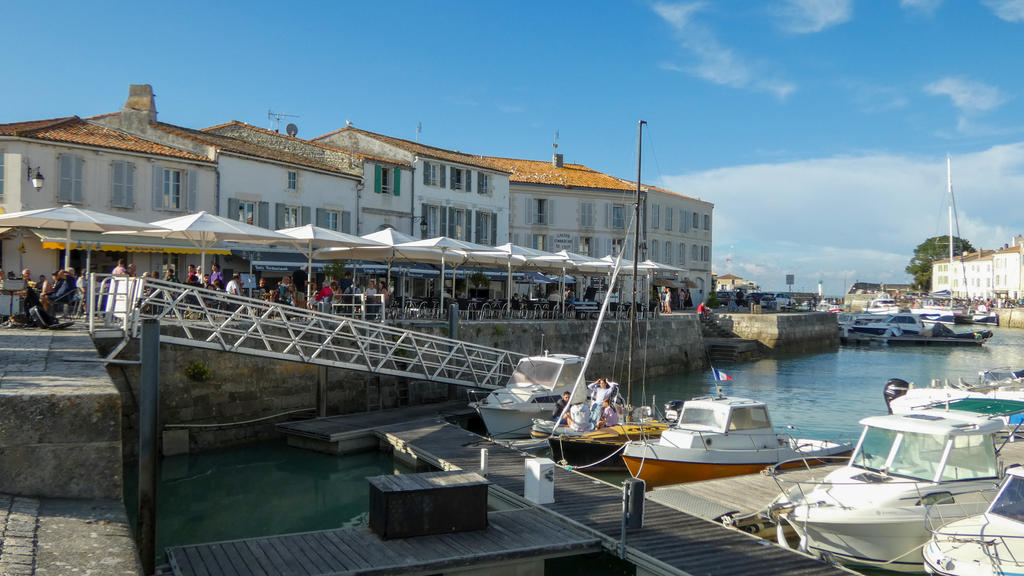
x,y
632,185
568,175
422,149
74,130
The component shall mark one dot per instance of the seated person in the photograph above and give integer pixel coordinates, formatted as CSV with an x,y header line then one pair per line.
x,y
33,306
609,416
579,418
560,405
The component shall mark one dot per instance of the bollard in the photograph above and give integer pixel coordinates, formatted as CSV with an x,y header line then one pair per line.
x,y
632,509
483,462
453,321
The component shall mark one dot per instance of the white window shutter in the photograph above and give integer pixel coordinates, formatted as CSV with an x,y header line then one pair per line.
x,y
158,187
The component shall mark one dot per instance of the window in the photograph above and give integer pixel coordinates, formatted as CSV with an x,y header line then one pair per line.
x,y
457,178
618,217
332,219
696,221
538,211
122,184
668,248
668,219
247,212
682,253
586,214
585,246
539,241
483,183
486,227
172,190
655,216
654,251
617,244
291,216
430,174
382,182
707,222
293,178
457,227
705,253
433,215
695,253
70,179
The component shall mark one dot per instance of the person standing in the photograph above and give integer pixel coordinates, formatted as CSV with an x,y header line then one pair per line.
x,y
234,286
216,275
120,268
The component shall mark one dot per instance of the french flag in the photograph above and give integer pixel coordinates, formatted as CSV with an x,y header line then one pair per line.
x,y
719,375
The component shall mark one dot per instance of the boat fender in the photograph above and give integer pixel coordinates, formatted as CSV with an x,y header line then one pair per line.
x,y
894,388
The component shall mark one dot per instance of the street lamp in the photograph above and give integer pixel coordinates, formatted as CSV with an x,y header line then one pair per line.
x,y
423,224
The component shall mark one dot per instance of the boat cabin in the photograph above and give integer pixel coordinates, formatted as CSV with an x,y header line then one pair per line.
x,y
723,422
932,445
540,379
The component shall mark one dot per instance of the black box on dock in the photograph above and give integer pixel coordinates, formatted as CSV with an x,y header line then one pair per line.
x,y
406,505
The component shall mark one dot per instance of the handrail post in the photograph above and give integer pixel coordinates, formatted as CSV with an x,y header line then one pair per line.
x,y
91,302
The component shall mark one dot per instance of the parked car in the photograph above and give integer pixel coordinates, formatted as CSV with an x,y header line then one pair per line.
x,y
753,298
784,301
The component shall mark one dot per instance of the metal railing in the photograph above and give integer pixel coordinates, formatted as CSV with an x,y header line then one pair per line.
x,y
197,317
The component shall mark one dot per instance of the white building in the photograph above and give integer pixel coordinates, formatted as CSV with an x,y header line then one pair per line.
x,y
102,169
458,195
559,206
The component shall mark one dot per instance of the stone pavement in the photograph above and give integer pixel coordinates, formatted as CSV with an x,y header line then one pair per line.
x,y
60,460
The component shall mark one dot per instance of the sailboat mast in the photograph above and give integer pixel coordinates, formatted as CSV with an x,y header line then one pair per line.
x,y
949,187
636,253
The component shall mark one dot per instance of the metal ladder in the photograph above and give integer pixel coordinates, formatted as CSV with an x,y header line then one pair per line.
x,y
201,318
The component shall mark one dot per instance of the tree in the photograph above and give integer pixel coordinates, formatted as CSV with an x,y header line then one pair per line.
x,y
927,252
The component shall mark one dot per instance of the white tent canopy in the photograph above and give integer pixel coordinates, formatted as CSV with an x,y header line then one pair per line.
x,y
310,238
71,218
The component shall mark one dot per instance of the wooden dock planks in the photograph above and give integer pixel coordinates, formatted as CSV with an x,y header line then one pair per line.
x,y
511,535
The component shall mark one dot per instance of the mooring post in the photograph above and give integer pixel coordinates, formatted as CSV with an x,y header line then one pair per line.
x,y
321,391
149,468
453,321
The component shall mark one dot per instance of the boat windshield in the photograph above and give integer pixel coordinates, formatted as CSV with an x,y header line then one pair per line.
x,y
696,416
919,456
530,372
1010,502
752,418
970,457
874,449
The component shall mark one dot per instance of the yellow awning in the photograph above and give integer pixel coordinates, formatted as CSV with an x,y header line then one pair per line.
x,y
54,240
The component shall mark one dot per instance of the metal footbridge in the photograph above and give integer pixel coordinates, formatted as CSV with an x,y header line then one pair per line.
x,y
201,318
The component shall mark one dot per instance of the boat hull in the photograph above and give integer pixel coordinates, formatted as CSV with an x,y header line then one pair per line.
x,y
890,542
511,423
600,450
660,465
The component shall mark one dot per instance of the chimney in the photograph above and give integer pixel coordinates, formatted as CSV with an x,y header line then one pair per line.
x,y
139,110
556,160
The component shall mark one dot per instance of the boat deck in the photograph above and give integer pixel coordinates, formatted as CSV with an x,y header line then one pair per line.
x,y
670,542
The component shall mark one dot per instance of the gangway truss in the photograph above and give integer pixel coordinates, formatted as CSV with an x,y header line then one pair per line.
x,y
201,318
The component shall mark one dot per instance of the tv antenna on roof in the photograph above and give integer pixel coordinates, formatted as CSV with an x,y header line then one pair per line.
x,y
554,143
276,118
419,128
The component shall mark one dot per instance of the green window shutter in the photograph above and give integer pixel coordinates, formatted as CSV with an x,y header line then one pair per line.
x,y
398,182
377,170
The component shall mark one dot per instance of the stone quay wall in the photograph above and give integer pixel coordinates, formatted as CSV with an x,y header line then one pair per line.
x,y
784,332
1011,317
243,388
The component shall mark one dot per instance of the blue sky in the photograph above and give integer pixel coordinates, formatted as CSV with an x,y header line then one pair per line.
x,y
818,128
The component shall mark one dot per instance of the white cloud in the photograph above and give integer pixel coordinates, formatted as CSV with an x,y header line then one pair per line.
x,y
926,7
1009,10
813,16
967,95
852,218
712,60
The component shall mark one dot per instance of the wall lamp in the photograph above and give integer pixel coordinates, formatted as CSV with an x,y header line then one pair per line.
x,y
423,224
34,176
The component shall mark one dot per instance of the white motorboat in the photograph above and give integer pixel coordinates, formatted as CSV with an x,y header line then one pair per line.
x,y
903,397
935,312
871,512
982,315
882,304
899,324
532,391
984,544
719,436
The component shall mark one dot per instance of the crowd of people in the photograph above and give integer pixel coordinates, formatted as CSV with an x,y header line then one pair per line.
x,y
600,410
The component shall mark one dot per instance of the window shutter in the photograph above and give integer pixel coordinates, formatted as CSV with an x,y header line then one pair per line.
x,y
515,236
117,183
494,229
192,192
477,231
279,216
263,216
608,215
440,168
452,177
426,173
451,222
233,206
158,187
398,182
377,171
469,181
346,222
76,189
442,228
129,185
550,211
305,215
321,217
608,246
531,214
